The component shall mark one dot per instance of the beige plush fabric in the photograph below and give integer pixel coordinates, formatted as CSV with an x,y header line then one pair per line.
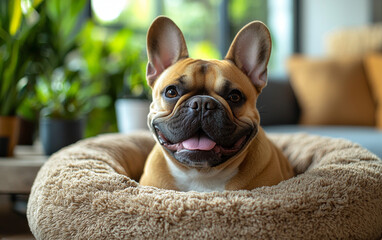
x,y
84,192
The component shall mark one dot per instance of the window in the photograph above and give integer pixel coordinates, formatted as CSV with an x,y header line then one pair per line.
x,y
209,26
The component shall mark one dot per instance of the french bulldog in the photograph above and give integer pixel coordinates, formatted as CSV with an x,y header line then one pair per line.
x,y
204,117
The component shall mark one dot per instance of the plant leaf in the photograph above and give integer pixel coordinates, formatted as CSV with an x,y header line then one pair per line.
x,y
36,3
9,71
16,16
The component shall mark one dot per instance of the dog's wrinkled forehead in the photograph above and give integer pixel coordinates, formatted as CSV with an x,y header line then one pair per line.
x,y
205,77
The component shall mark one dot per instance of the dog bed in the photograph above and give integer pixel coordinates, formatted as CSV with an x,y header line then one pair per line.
x,y
88,191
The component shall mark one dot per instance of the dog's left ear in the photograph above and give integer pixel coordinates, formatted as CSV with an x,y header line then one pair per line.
x,y
250,51
165,46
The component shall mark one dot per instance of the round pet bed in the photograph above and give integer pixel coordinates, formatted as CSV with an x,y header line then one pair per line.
x,y
88,191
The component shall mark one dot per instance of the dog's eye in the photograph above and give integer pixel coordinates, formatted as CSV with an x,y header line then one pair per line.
x,y
235,96
171,92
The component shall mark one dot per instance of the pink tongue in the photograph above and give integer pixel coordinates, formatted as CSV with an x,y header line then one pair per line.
x,y
199,143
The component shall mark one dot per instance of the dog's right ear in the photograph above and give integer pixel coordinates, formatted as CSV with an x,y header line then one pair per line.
x,y
250,51
165,46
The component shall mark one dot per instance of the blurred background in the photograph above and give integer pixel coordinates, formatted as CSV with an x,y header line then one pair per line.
x,y
77,57
74,60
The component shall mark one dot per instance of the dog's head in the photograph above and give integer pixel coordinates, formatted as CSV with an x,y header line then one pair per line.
x,y
204,111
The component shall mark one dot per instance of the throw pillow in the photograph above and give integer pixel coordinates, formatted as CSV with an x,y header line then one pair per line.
x,y
331,91
373,64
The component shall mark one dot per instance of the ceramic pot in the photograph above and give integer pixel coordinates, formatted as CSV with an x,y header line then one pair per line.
x,y
58,133
132,114
9,132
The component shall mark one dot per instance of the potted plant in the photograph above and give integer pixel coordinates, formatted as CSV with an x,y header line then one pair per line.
x,y
18,29
117,59
127,55
133,106
65,100
27,113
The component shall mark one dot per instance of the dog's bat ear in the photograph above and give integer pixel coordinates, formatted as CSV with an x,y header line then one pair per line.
x,y
165,46
250,51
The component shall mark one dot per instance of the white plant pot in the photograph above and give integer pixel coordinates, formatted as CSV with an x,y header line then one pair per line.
x,y
132,114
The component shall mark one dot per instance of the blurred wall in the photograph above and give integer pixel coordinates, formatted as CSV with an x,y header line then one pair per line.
x,y
320,17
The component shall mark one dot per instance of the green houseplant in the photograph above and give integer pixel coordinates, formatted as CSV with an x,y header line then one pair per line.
x,y
116,58
133,106
35,36
17,32
60,93
65,100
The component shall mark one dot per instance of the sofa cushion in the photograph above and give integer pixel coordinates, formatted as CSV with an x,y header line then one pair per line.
x,y
331,91
373,63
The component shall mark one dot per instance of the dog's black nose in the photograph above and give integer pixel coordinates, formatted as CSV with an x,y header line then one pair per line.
x,y
202,103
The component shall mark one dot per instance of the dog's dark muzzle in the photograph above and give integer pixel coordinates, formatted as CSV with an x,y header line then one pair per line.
x,y
201,127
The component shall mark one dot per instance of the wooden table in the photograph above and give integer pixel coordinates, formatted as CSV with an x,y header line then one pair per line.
x,y
18,173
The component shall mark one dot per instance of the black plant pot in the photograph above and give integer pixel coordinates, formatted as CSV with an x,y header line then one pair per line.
x,y
58,133
4,142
